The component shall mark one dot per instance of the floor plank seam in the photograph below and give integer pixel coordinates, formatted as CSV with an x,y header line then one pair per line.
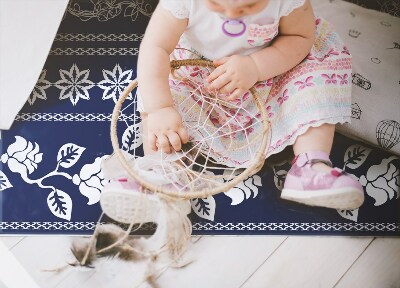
x,y
15,244
269,256
348,269
86,280
193,241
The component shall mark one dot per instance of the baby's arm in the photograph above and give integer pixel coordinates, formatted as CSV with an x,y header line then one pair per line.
x,y
296,37
238,73
164,124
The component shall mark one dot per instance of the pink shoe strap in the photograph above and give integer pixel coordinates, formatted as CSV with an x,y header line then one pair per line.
x,y
312,157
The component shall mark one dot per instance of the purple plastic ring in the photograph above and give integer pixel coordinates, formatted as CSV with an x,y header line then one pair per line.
x,y
234,22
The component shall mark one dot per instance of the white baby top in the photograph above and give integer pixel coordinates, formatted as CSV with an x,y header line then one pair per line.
x,y
213,36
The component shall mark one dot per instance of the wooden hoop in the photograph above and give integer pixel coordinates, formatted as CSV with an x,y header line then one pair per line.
x,y
251,170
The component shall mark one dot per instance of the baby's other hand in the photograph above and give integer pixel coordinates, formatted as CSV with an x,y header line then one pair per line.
x,y
165,130
234,75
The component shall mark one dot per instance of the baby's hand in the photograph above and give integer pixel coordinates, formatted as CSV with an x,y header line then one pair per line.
x,y
234,75
165,130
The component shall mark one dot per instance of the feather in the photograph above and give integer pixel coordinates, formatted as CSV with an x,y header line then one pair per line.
x,y
105,236
152,281
79,249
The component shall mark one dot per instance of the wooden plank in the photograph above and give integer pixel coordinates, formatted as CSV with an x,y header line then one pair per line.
x,y
221,251
10,267
38,253
11,241
111,273
114,273
378,266
75,277
308,262
222,261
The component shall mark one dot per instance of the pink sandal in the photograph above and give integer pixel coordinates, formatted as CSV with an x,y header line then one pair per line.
x,y
125,201
335,189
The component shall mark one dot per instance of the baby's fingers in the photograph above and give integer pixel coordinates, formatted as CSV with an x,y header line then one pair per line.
x,y
220,82
163,143
228,88
236,94
215,74
183,134
175,140
221,61
152,141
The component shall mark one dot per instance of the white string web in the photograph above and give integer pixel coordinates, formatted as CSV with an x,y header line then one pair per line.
x,y
225,137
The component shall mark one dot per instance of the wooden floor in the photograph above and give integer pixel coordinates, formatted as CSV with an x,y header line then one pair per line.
x,y
224,261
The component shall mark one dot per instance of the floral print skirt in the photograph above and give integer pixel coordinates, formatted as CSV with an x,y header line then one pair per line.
x,y
315,92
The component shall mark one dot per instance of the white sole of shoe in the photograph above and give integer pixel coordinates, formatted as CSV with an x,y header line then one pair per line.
x,y
340,199
127,206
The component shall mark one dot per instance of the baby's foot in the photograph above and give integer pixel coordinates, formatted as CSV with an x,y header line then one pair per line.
x,y
322,167
312,181
126,201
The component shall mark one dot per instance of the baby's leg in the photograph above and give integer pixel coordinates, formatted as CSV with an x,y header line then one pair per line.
x,y
122,199
316,139
312,181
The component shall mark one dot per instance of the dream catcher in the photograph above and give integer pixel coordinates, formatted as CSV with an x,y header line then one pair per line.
x,y
228,141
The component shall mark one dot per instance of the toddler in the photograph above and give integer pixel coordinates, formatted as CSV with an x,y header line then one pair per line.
x,y
301,66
